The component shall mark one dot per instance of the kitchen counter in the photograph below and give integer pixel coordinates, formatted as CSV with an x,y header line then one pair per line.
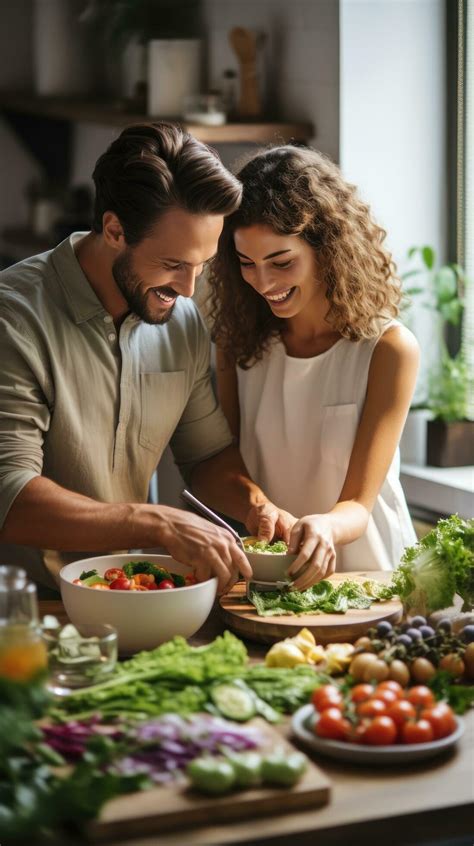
x,y
400,806
439,490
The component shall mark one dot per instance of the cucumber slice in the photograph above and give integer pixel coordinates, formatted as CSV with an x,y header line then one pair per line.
x,y
233,702
94,580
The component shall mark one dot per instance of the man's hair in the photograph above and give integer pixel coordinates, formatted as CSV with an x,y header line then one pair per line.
x,y
151,168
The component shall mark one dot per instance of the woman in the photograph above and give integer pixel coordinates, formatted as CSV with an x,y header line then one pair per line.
x,y
315,375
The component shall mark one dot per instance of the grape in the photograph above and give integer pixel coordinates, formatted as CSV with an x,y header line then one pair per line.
x,y
467,634
426,631
415,634
444,625
405,639
384,628
418,621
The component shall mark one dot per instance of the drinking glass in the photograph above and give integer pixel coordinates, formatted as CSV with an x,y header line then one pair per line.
x,y
79,656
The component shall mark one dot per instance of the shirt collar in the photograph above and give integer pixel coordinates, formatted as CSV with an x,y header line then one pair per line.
x,y
81,298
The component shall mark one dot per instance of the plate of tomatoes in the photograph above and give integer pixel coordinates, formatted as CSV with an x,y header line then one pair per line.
x,y
377,723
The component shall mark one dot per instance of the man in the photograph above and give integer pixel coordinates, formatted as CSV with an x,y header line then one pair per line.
x,y
105,360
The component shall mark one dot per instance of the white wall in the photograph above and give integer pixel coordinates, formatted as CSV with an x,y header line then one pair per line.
x,y
392,121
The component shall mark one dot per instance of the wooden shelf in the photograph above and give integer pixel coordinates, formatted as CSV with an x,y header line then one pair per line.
x,y
107,114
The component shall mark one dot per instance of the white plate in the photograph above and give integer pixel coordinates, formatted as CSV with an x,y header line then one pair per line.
x,y
303,727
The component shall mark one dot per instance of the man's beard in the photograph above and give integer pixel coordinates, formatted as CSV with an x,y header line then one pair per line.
x,y
131,287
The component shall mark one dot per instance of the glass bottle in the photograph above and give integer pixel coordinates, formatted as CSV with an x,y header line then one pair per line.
x,y
22,650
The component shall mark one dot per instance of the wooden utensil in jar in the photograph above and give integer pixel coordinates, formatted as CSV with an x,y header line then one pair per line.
x,y
244,43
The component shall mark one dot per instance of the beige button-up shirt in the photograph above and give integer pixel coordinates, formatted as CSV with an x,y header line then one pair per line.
x,y
90,408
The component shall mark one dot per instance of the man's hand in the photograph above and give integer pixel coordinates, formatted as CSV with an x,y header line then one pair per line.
x,y
265,521
312,540
208,549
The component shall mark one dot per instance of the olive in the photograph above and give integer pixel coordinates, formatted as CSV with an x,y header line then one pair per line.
x,y
400,651
467,634
415,634
418,621
426,631
384,628
404,639
444,625
404,627
377,645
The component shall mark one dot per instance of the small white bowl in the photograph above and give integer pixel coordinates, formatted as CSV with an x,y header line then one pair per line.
x,y
143,619
268,566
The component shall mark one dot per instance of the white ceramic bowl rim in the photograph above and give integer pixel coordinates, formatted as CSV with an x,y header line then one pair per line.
x,y
109,558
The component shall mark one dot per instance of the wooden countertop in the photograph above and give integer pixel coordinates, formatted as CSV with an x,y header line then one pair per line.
x,y
398,806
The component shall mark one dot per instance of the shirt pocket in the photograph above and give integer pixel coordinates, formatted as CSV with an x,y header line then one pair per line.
x,y
162,397
338,431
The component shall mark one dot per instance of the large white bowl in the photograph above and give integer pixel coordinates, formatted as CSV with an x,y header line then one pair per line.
x,y
269,566
143,619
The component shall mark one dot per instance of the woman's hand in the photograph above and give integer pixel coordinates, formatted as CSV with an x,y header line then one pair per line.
x,y
265,522
312,539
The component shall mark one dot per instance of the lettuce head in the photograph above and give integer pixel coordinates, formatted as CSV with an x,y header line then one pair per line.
x,y
437,568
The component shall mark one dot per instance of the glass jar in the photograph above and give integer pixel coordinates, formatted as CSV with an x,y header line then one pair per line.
x,y
22,651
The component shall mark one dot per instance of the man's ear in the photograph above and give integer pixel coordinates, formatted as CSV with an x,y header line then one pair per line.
x,y
112,231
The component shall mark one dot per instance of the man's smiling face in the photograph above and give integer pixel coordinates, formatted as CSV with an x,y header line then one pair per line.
x,y
166,263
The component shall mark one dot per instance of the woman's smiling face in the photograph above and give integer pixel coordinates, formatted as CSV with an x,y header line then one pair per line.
x,y
281,268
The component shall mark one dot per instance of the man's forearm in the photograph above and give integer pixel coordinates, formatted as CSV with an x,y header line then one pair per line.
x,y
223,483
49,516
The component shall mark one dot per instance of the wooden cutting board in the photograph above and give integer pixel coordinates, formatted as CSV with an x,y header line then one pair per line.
x,y
165,808
242,618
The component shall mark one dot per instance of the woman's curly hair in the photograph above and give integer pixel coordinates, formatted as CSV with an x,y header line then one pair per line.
x,y
298,191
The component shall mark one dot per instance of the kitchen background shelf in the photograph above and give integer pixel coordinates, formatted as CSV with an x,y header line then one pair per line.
x,y
108,114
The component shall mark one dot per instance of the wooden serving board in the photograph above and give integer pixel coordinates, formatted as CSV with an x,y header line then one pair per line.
x,y
164,808
242,618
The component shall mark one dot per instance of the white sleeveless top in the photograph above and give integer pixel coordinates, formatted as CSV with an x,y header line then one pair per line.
x,y
298,421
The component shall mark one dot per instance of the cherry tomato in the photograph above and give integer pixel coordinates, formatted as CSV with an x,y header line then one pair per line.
x,y
358,733
386,695
382,731
372,708
332,725
152,586
327,696
420,696
361,692
120,584
190,579
76,582
166,584
114,573
440,718
417,732
401,711
391,685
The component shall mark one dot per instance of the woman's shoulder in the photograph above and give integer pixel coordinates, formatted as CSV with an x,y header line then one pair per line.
x,y
396,349
396,338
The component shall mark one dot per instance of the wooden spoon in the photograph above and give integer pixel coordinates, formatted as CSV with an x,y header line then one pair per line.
x,y
244,43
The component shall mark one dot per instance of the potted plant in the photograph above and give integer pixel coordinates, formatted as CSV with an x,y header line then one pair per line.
x,y
450,435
